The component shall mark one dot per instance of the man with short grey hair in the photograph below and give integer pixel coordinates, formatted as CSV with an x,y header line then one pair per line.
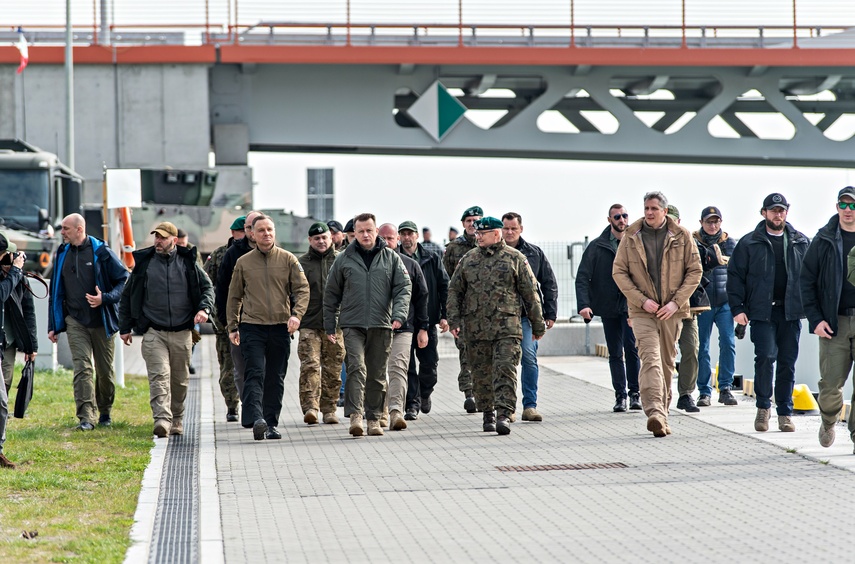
x,y
657,267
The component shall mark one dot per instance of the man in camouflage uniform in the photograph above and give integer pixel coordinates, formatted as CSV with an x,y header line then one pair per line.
x,y
320,359
454,251
484,299
224,355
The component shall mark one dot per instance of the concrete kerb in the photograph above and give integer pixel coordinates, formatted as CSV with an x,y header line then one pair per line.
x,y
210,525
143,527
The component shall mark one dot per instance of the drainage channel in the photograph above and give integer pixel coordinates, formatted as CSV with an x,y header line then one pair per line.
x,y
175,538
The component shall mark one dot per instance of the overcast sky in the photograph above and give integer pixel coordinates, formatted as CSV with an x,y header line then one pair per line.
x,y
559,200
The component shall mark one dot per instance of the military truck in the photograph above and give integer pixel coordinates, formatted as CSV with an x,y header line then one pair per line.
x,y
36,192
186,199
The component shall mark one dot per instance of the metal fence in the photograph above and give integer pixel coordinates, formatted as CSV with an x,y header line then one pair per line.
x,y
564,258
572,23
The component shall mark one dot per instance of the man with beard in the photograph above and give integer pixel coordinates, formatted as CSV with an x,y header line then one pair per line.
x,y
597,294
763,288
166,295
339,239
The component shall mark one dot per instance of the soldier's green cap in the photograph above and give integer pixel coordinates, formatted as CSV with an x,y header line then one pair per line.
x,y
473,211
408,226
488,223
238,224
673,212
318,228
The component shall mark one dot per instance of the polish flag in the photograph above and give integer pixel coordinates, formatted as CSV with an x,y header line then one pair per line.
x,y
22,47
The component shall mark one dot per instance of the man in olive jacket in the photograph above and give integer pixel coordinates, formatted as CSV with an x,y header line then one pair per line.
x,y
268,296
320,359
657,267
367,295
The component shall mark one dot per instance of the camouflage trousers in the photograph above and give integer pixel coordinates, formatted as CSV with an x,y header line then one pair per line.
x,y
464,378
494,373
320,369
227,371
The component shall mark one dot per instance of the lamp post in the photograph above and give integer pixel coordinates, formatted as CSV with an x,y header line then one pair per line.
x,y
69,88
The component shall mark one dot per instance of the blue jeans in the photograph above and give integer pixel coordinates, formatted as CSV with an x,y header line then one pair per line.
x,y
775,342
343,377
726,348
620,341
529,366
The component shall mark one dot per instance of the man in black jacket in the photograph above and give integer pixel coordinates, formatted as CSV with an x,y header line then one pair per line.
x,y
8,284
597,294
512,234
414,330
763,288
166,295
20,316
421,381
829,303
221,291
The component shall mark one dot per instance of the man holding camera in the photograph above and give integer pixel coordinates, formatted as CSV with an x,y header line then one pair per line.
x,y
8,252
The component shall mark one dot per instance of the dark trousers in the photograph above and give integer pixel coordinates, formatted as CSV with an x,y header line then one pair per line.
x,y
620,341
776,342
265,350
421,381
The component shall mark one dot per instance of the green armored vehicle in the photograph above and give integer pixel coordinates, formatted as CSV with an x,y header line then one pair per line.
x,y
36,192
185,198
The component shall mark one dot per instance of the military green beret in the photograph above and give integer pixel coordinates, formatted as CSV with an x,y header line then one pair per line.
x,y
408,226
673,212
318,228
473,211
488,223
238,224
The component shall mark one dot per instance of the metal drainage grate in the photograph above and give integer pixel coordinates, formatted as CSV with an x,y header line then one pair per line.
x,y
545,467
175,539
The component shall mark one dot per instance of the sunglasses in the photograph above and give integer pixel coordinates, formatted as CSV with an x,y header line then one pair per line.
x,y
844,205
618,216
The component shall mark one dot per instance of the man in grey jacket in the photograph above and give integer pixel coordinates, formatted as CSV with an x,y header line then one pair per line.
x,y
368,296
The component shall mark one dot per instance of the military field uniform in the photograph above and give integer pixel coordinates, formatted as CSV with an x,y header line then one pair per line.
x,y
320,360
224,355
454,251
485,299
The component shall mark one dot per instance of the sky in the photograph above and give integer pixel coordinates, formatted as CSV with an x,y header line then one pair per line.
x,y
558,200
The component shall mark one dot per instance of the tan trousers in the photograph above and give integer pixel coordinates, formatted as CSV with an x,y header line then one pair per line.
x,y
167,359
657,349
396,371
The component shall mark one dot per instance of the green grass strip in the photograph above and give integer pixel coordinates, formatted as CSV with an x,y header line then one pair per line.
x,y
77,489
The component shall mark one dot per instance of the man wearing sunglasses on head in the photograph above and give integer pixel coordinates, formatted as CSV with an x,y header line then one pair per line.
x,y
829,303
763,288
597,294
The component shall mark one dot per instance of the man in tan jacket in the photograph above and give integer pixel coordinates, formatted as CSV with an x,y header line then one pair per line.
x,y
657,268
268,296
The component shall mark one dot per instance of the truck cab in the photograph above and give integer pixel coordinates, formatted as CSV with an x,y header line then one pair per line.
x,y
36,192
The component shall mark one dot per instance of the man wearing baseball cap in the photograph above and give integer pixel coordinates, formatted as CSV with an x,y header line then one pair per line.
x,y
829,302
715,247
454,251
763,288
166,295
339,240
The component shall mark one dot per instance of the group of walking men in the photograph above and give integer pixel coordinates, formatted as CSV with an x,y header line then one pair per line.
x,y
656,286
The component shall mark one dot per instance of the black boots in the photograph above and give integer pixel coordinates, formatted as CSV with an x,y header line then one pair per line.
x,y
489,421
